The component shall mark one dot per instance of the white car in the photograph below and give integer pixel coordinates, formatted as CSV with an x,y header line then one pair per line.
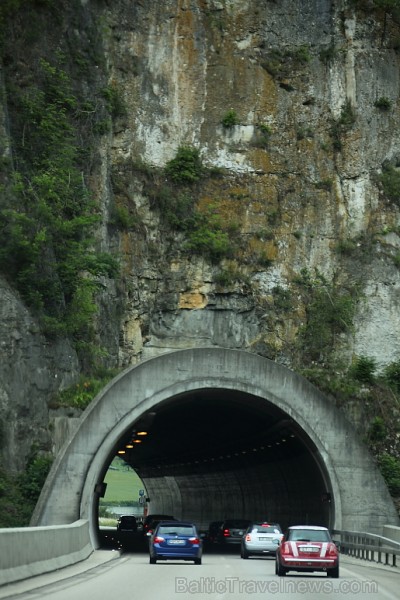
x,y
261,538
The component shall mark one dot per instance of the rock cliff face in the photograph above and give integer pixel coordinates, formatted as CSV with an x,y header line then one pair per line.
x,y
293,107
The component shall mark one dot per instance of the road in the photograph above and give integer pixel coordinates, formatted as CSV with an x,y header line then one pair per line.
x,y
224,576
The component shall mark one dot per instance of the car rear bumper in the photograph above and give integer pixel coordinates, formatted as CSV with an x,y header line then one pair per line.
x,y
305,563
258,549
181,555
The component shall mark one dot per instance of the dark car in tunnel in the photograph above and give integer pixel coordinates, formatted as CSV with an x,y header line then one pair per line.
x,y
232,531
213,532
127,531
127,523
151,521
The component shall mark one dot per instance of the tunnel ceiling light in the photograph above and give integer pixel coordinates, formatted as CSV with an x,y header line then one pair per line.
x,y
137,441
283,439
121,452
129,446
141,433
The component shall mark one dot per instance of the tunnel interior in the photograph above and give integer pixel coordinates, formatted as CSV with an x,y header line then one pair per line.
x,y
213,454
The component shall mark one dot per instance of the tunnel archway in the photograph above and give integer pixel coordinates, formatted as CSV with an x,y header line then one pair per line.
x,y
321,472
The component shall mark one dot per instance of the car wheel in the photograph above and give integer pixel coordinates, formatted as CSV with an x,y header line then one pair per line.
x,y
244,554
333,572
279,570
197,561
152,560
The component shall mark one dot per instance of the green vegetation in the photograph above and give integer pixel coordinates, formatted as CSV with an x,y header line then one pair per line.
x,y
186,167
324,184
303,133
346,246
282,298
281,64
230,119
206,233
340,126
347,115
389,6
391,375
47,216
123,484
377,431
82,393
390,181
328,55
19,494
330,312
390,468
208,239
262,136
383,103
363,369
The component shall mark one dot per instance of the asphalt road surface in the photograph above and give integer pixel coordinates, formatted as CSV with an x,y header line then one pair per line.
x,y
224,576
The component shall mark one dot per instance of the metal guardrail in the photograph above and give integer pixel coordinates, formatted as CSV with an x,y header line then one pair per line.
x,y
367,546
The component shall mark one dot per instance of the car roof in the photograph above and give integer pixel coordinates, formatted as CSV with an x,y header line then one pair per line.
x,y
313,527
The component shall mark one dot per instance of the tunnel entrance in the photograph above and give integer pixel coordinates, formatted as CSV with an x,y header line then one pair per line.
x,y
217,420
214,454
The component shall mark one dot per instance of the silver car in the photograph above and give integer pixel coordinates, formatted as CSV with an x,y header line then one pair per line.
x,y
261,538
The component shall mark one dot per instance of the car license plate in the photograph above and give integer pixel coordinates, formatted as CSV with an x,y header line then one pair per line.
x,y
309,549
264,539
176,542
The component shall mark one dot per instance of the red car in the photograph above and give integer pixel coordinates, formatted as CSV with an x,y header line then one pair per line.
x,y
307,548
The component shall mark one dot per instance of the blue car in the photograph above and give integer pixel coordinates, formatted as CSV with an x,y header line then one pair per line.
x,y
175,540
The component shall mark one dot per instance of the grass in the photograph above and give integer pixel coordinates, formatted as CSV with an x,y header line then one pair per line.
x,y
122,485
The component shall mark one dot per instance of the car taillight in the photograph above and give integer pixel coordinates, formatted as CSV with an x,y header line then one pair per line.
x,y
332,550
248,538
194,540
286,548
158,539
226,532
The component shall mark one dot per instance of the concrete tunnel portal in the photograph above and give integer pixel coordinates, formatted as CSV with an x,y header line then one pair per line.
x,y
230,434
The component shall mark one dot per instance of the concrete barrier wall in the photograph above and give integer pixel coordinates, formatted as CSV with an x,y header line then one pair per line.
x,y
391,532
29,551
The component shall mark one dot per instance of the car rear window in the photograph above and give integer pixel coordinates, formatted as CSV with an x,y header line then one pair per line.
x,y
261,528
309,535
173,530
152,518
